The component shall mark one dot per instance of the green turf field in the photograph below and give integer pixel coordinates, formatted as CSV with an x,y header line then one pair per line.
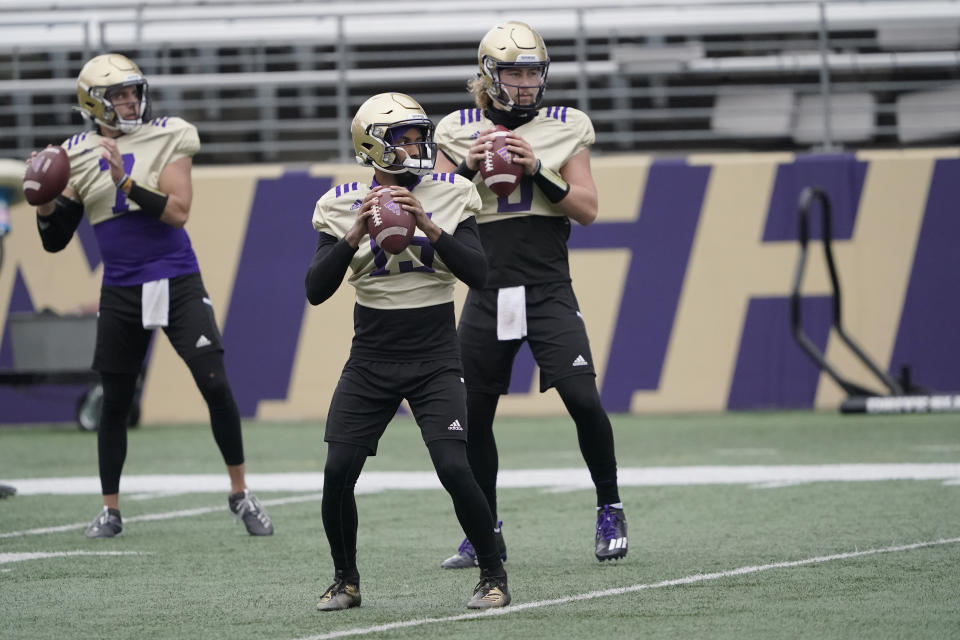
x,y
734,533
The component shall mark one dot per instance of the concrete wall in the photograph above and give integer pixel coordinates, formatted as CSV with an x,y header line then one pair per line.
x,y
683,281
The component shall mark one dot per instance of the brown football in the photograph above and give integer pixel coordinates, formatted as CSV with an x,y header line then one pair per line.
x,y
391,226
498,170
46,175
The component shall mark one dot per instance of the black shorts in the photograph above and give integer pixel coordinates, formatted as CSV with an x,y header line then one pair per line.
x,y
122,341
369,393
555,332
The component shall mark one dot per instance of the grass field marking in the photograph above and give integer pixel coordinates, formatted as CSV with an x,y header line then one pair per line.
x,y
167,515
565,479
618,591
6,558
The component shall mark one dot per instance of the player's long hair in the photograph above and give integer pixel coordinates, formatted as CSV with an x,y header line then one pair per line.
x,y
480,96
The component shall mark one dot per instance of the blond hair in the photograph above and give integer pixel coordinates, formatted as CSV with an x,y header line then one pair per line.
x,y
480,96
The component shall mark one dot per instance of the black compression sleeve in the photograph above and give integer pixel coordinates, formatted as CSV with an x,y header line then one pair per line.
x,y
551,184
328,267
463,253
465,171
57,228
151,202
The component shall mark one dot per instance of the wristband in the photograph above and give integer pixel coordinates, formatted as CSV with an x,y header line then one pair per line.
x,y
465,171
551,184
151,202
122,182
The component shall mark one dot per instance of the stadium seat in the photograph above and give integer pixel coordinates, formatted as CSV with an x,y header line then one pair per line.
x,y
766,114
851,118
928,115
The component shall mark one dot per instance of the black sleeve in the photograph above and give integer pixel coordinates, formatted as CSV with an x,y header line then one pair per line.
x,y
57,228
328,267
463,253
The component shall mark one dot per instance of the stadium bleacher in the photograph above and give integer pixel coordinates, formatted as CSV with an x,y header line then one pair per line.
x,y
278,81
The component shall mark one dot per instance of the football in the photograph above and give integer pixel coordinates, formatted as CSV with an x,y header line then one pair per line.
x,y
46,175
391,226
498,171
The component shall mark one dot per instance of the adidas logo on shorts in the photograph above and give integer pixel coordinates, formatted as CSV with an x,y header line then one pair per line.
x,y
580,362
455,426
203,341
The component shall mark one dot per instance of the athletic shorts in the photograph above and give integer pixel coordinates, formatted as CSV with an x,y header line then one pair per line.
x,y
555,332
369,393
122,341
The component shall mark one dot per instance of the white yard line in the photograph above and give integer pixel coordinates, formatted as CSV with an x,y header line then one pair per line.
x,y
6,558
565,479
619,591
574,479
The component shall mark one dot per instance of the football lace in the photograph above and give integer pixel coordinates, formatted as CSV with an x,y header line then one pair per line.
x,y
377,220
488,160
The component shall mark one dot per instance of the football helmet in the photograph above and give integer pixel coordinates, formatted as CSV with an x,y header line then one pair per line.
x,y
98,79
376,131
512,44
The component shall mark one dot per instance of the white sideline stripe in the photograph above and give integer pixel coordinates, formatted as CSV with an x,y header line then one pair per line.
x,y
562,479
6,558
167,515
618,591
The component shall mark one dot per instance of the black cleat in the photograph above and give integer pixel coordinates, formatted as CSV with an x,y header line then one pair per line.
x,y
340,595
490,592
251,513
466,555
611,538
107,524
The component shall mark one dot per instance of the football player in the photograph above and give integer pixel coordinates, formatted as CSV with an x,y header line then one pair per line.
x,y
405,340
528,295
130,175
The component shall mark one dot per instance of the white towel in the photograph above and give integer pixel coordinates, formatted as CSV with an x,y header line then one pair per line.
x,y
511,313
155,304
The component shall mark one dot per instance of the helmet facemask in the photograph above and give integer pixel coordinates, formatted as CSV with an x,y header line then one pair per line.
x,y
99,79
497,87
110,113
384,148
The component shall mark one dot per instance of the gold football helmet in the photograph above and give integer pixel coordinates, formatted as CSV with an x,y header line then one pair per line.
x,y
98,79
512,44
378,126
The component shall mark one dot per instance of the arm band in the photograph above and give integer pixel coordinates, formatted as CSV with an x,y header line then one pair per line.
x,y
57,228
551,184
151,202
122,182
465,171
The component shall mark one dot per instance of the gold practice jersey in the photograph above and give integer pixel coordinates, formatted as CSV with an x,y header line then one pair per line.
x,y
145,153
524,235
135,247
416,277
556,134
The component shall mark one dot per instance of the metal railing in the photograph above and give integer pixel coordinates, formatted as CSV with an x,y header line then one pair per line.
x,y
280,82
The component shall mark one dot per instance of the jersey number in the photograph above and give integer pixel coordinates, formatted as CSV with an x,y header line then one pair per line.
x,y
120,206
526,198
380,258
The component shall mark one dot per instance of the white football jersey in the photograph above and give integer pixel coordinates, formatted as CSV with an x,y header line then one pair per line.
x,y
556,134
416,277
145,153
